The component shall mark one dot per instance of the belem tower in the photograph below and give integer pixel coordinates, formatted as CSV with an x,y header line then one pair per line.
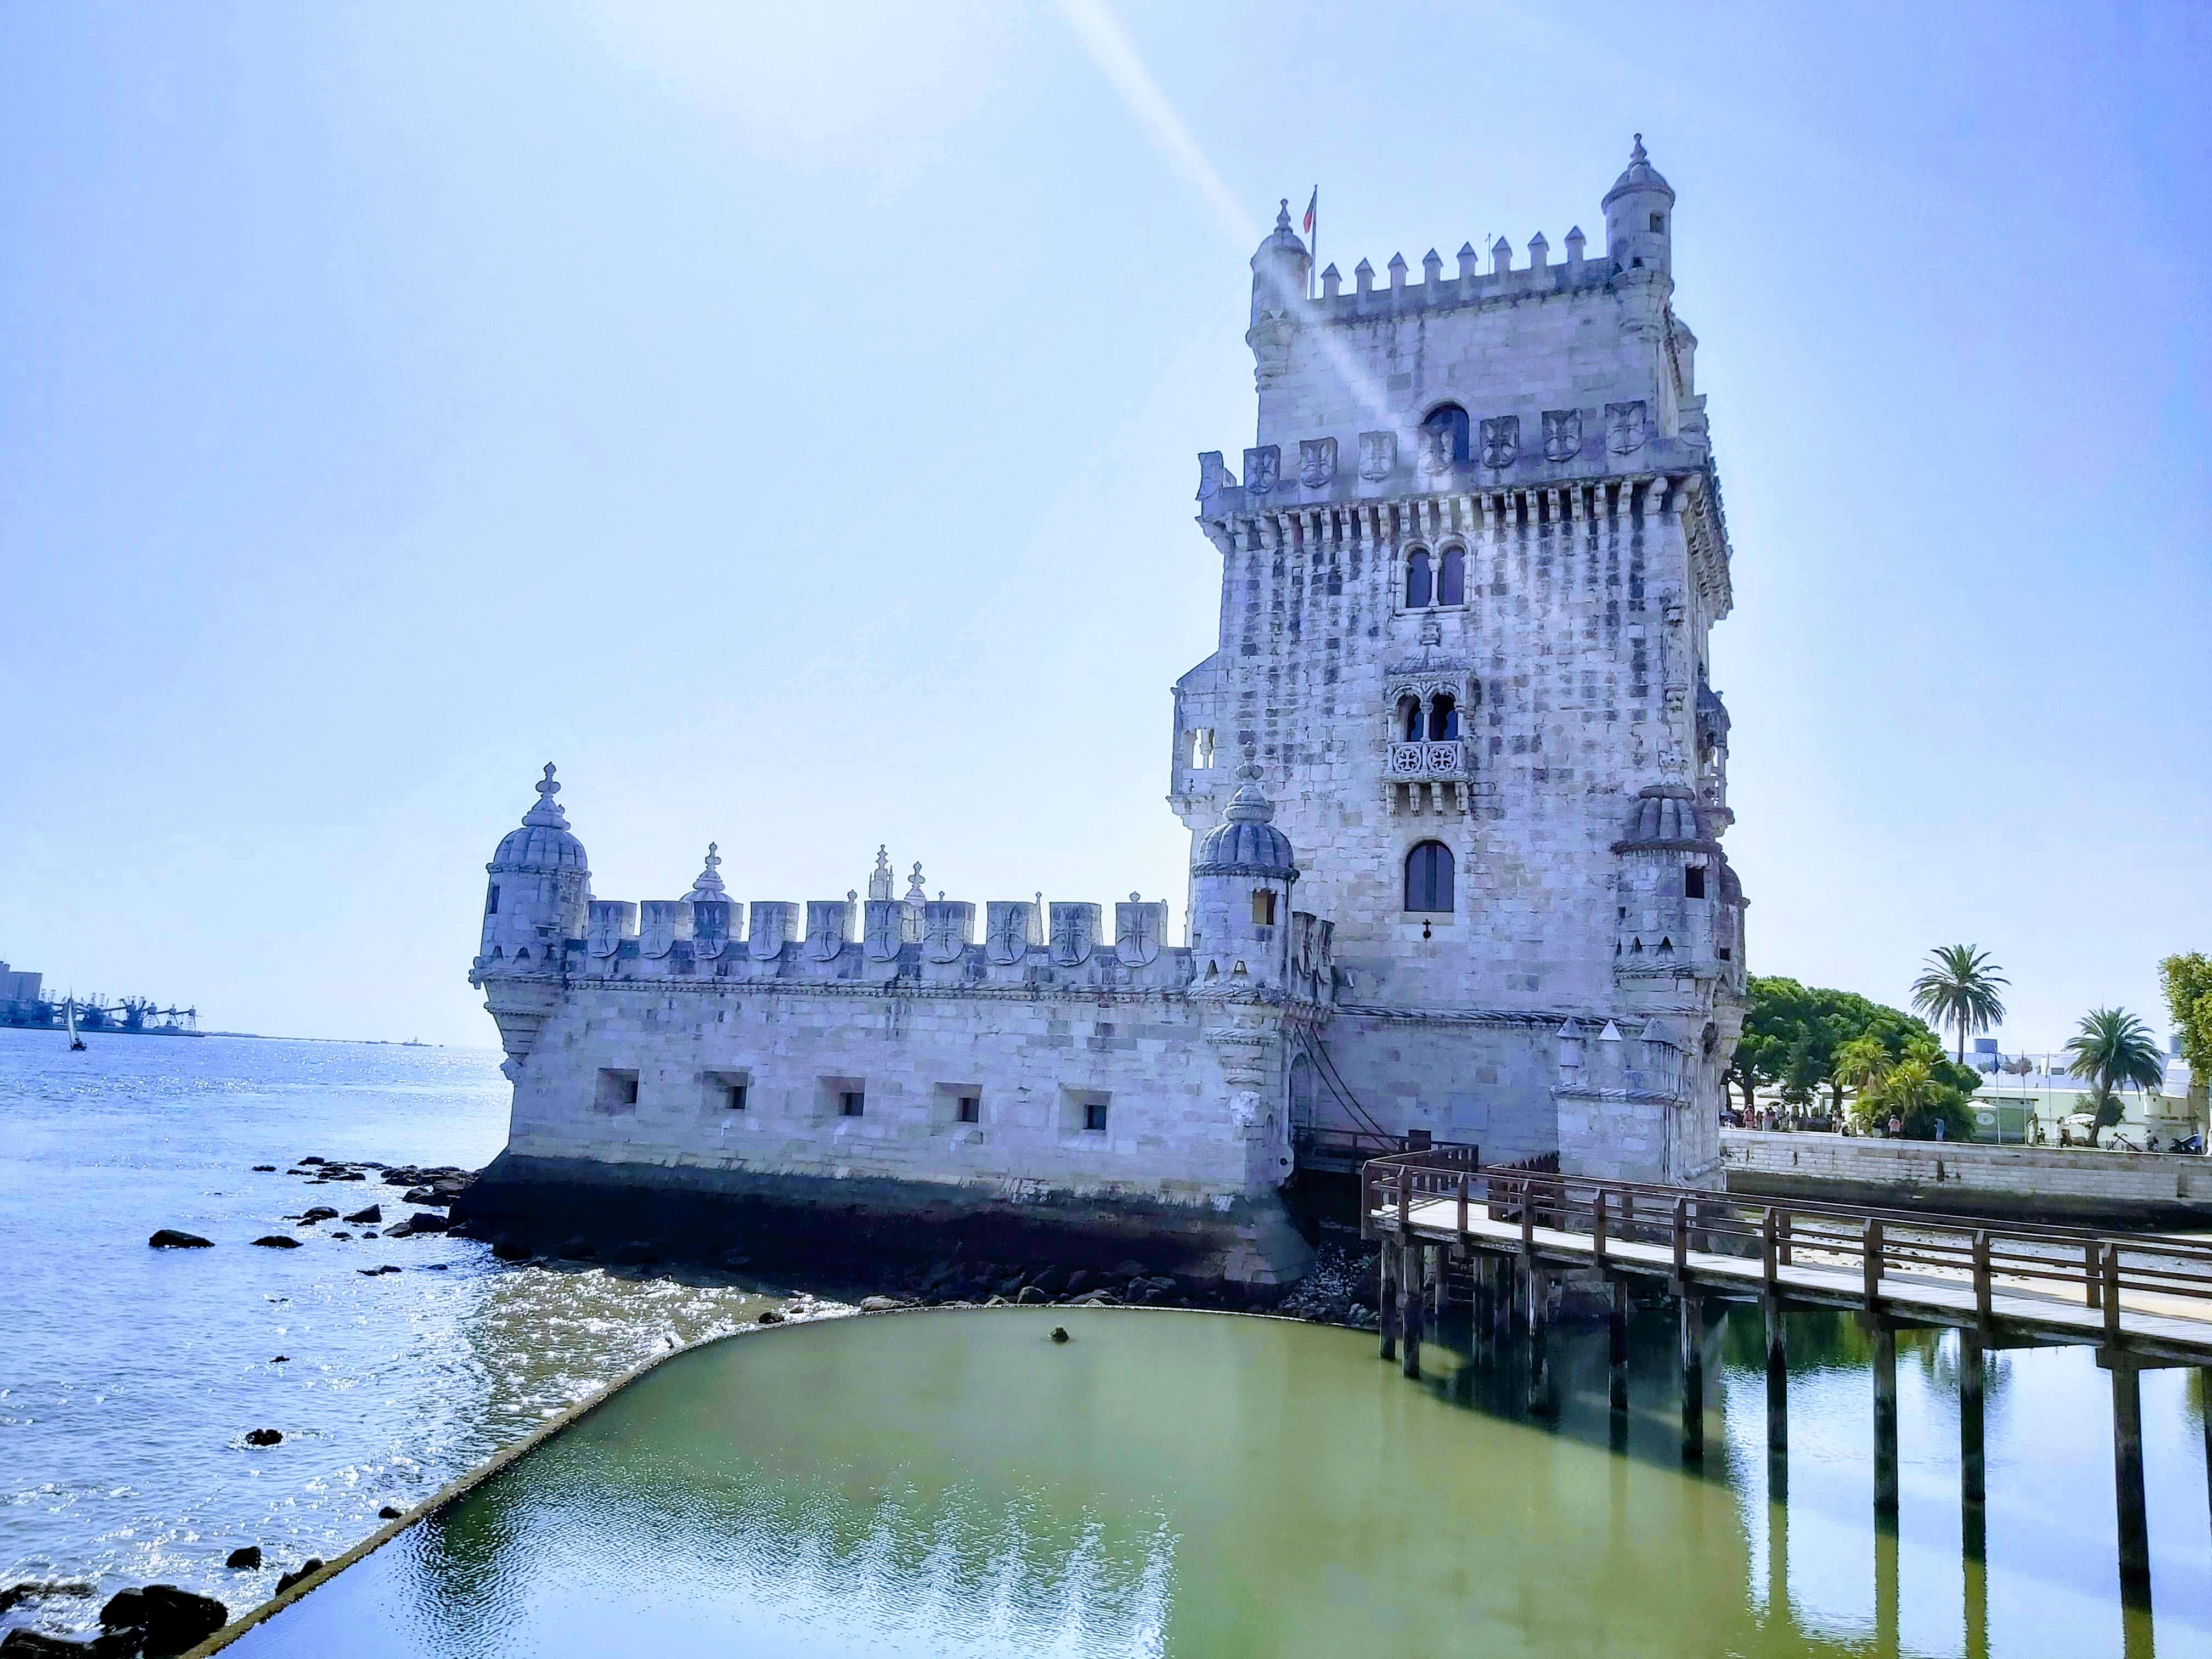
x,y
1456,781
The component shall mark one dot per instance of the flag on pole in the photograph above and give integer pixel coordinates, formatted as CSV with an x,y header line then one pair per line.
x,y
1310,206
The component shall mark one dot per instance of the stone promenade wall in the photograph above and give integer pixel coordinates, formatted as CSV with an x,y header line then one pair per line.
x,y
2011,1183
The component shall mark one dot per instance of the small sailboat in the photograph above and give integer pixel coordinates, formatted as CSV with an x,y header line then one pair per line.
x,y
69,1010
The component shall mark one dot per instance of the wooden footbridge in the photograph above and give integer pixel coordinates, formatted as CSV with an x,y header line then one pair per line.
x,y
2141,1301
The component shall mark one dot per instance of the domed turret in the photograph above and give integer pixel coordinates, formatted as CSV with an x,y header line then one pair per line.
x,y
1279,270
540,883
1241,872
1639,216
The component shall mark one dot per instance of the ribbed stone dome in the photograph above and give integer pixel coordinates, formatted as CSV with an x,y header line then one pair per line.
x,y
1640,175
1665,815
1246,842
543,842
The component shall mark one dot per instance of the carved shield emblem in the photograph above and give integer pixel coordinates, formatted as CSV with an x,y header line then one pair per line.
x,y
1075,933
945,925
1316,462
1261,467
1501,441
1212,476
1137,930
826,922
1009,930
880,932
1436,451
1378,455
772,919
1562,433
1624,427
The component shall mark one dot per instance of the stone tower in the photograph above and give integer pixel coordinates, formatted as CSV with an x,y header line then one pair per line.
x,y
1468,579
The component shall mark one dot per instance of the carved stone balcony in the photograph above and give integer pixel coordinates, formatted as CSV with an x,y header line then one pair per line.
x,y
1426,762
1427,777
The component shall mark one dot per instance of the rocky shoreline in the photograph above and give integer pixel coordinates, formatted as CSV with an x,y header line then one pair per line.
x,y
146,1622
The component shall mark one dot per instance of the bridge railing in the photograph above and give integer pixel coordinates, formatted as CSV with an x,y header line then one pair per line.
x,y
1877,1244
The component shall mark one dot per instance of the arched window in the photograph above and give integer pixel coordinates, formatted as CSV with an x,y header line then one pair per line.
x,y
1451,577
1417,581
1443,718
1409,719
1429,877
1454,418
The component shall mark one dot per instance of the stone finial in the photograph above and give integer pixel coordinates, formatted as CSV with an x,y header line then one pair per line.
x,y
1363,277
547,813
1501,257
1470,262
1397,270
1540,251
1432,268
709,885
1330,283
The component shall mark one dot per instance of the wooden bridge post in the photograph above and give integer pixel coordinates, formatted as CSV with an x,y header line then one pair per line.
x,y
1973,1488
1693,1368
1410,1311
1617,1348
2127,1478
1777,1393
1885,1418
1386,1295
1540,1322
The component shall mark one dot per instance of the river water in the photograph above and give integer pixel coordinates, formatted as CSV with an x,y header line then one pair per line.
x,y
128,1376
943,1483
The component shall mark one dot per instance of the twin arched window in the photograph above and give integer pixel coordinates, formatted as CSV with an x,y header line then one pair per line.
x,y
1431,581
1429,877
1438,723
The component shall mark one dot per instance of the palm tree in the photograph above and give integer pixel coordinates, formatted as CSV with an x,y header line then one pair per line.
x,y
1960,989
2114,1050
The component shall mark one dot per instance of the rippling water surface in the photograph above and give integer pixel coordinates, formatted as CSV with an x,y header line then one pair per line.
x,y
128,1376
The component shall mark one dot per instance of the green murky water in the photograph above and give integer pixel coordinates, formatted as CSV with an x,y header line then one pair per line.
x,y
956,1484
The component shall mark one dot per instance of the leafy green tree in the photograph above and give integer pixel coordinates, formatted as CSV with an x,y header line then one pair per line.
x,y
1960,989
2114,1050
2188,983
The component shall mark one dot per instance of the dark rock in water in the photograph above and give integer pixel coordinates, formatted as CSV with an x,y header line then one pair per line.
x,y
170,1239
388,1513
1060,1333
636,1254
576,1250
265,1168
264,1436
507,1251
880,1305
243,1561
33,1590
164,1619
1031,1296
307,1569
770,1316
37,1645
320,1213
272,1242
374,1213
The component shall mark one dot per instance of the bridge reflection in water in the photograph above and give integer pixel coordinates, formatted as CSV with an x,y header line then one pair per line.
x,y
1500,1237
955,1483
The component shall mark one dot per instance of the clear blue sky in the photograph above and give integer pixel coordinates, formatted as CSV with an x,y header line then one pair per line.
x,y
788,424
